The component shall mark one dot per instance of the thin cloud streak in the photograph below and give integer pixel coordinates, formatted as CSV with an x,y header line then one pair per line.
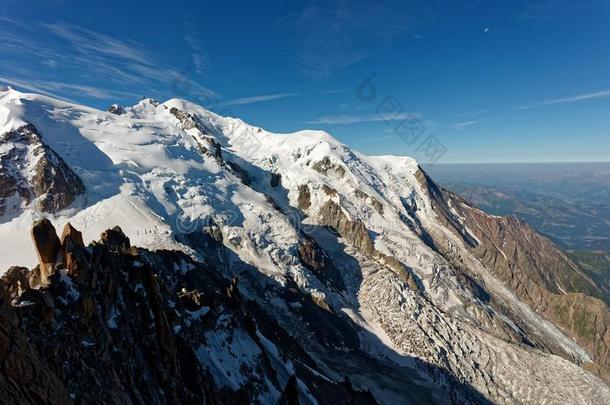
x,y
93,42
119,63
198,53
31,87
255,99
461,125
51,87
579,97
562,100
357,119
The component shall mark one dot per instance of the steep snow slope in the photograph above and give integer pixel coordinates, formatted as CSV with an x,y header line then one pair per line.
x,y
302,210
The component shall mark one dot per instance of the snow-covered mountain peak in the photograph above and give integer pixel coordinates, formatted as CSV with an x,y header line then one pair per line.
x,y
370,239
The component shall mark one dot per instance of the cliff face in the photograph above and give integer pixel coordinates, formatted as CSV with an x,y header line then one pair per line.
x,y
119,324
534,268
32,171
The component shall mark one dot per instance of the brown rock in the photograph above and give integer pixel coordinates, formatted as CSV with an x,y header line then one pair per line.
x,y
72,254
116,240
71,238
47,247
304,198
15,280
24,377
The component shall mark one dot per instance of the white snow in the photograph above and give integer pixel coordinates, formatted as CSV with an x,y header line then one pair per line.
x,y
143,172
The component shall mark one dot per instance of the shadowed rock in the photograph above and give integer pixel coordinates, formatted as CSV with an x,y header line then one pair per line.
x,y
304,198
72,254
116,240
48,179
116,109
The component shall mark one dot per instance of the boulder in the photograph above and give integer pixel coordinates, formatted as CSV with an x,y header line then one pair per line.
x,y
47,246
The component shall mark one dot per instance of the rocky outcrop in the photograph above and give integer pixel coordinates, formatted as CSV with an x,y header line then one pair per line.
x,y
31,171
304,197
327,167
276,179
47,247
116,109
355,232
25,378
378,206
134,329
315,259
206,144
533,267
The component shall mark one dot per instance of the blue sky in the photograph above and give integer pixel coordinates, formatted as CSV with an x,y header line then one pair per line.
x,y
491,81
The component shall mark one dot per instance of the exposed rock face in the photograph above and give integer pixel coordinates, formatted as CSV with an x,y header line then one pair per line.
x,y
355,232
304,198
135,330
534,268
316,259
237,170
327,167
378,206
47,246
206,143
71,252
15,281
25,377
30,170
116,109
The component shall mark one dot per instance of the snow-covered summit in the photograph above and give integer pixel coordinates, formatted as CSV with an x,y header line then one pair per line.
x,y
369,238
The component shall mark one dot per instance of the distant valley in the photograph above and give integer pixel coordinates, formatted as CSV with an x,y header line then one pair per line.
x,y
567,202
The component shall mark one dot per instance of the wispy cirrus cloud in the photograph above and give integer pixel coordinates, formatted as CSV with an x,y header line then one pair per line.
x,y
91,42
461,125
255,99
198,53
55,88
97,59
333,35
28,85
579,97
568,99
363,118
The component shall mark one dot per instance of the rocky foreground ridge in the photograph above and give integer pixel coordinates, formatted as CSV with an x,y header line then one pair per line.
x,y
113,323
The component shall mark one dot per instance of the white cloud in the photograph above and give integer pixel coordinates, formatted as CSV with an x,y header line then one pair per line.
x,y
579,97
355,119
27,85
198,54
50,88
461,125
569,99
255,99
87,41
95,57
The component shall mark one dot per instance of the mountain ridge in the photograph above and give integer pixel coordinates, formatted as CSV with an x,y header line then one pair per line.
x,y
372,241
